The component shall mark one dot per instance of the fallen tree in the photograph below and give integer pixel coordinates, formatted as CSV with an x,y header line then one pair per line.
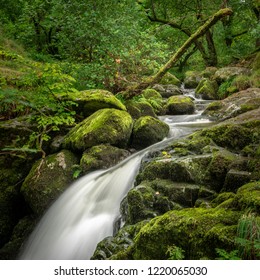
x,y
150,81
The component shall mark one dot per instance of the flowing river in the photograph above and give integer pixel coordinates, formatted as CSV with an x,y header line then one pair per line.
x,y
87,211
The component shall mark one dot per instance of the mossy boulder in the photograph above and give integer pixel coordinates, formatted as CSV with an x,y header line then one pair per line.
x,y
234,105
90,101
150,93
197,231
147,131
248,197
192,79
180,105
101,157
207,89
106,126
152,198
139,108
167,91
226,73
170,79
47,179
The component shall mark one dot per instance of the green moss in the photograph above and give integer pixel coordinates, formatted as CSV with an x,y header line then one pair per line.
x,y
139,108
147,131
170,79
90,101
101,157
248,197
178,105
47,179
197,231
151,93
232,136
207,89
106,126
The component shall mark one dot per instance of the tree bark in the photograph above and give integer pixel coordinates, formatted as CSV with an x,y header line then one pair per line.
x,y
150,81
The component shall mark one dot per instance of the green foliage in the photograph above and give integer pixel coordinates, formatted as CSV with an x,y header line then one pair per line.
x,y
175,253
226,88
248,236
224,255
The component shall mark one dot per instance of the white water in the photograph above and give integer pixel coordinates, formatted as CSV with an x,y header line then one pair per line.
x,y
86,212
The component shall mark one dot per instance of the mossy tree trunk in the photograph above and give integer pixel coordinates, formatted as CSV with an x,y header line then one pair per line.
x,y
136,90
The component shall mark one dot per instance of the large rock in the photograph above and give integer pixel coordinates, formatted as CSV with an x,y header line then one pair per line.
x,y
139,108
90,101
153,198
170,79
106,126
180,105
102,157
147,131
226,73
167,91
235,104
198,232
192,79
47,179
207,89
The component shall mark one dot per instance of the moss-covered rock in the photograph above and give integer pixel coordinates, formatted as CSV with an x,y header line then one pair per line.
x,y
180,105
235,104
150,93
170,79
207,89
90,101
167,91
139,108
101,157
248,197
106,126
192,79
153,198
235,179
232,136
47,179
196,231
225,73
147,131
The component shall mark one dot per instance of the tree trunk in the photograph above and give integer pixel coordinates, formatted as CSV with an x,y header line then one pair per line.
x,y
136,90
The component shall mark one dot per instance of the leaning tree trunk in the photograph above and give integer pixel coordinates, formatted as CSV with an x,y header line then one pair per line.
x,y
136,90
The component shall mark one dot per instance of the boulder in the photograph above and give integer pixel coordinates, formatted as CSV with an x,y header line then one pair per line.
x,y
147,131
154,98
197,231
139,108
101,157
106,126
180,105
170,79
47,179
226,73
90,101
234,105
207,89
152,198
248,197
167,91
192,79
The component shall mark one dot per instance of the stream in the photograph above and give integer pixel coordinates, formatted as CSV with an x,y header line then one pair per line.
x,y
87,211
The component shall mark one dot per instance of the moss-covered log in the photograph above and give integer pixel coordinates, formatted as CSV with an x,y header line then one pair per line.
x,y
135,90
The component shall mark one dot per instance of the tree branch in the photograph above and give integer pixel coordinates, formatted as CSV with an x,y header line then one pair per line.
x,y
136,90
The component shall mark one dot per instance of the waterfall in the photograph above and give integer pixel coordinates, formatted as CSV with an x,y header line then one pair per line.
x,y
87,211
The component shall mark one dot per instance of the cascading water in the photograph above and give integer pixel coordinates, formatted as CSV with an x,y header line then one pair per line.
x,y
86,212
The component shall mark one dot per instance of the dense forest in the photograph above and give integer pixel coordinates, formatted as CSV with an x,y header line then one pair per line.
x,y
82,85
